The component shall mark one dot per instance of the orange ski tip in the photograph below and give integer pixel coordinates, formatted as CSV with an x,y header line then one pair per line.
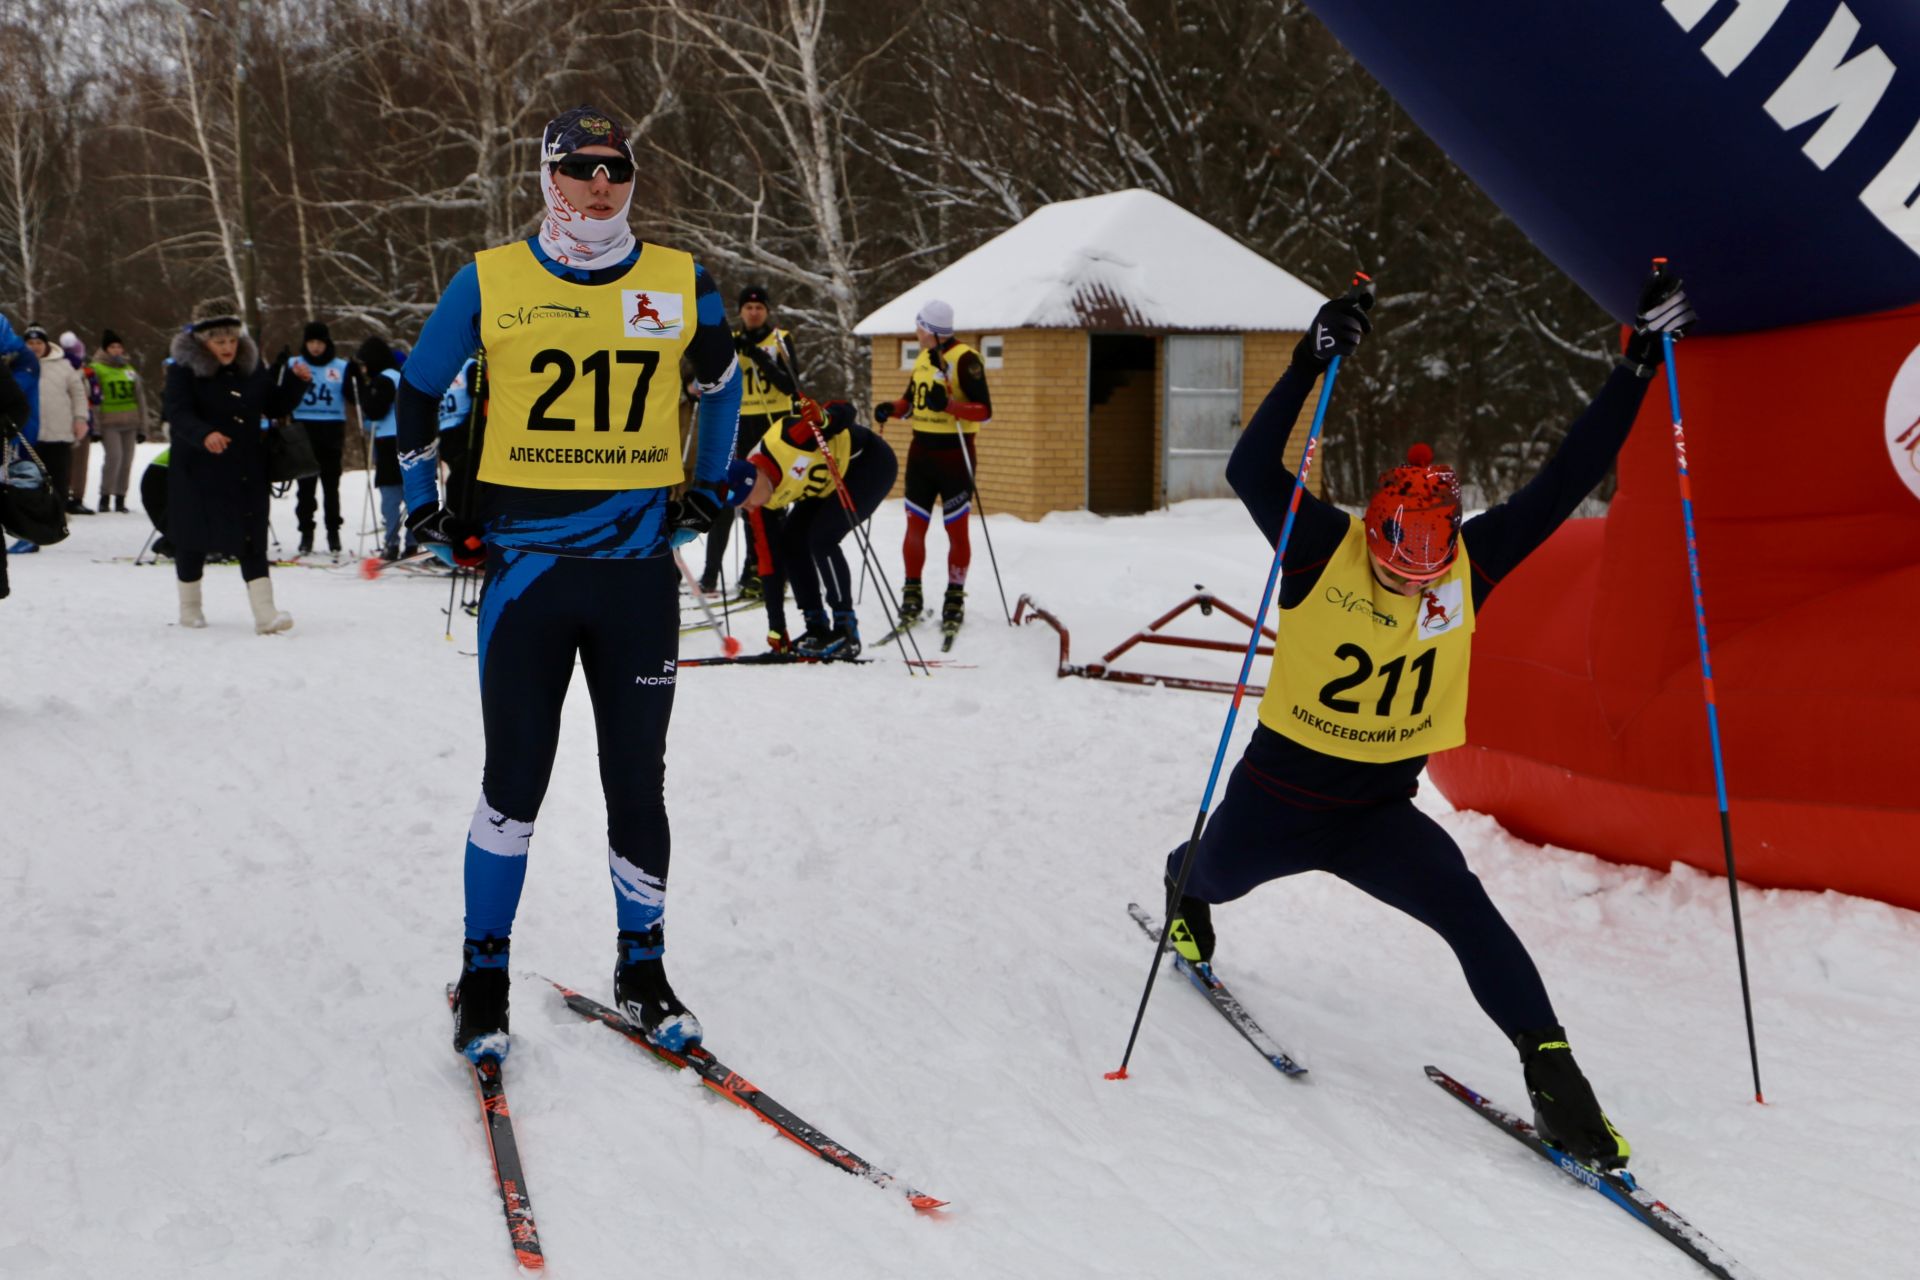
x,y
926,1202
1121,1074
530,1262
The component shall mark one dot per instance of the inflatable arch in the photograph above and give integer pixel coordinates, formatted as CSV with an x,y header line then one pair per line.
x,y
1771,149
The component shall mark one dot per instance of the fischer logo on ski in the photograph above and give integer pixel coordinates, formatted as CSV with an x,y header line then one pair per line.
x,y
1618,1185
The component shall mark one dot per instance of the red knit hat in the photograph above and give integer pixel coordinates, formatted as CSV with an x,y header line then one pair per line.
x,y
1413,522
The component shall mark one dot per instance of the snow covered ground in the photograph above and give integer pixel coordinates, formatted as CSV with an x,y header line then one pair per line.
x,y
231,897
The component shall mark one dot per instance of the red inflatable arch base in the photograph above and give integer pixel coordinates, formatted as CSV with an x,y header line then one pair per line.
x,y
1587,725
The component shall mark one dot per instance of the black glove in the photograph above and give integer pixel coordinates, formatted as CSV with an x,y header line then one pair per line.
x,y
839,418
937,398
694,514
1663,309
1336,330
883,411
434,525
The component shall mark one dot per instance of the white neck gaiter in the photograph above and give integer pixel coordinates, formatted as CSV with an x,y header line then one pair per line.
x,y
572,239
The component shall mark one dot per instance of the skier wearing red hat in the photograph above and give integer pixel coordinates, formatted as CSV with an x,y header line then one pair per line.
x,y
1370,676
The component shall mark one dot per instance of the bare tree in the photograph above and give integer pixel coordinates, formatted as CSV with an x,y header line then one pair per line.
x,y
773,200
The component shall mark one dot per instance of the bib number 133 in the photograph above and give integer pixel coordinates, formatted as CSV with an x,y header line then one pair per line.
x,y
599,368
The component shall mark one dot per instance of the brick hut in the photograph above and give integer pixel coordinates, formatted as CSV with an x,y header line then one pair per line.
x,y
1126,341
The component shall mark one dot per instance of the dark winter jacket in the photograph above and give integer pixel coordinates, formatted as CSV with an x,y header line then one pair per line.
x,y
218,501
375,357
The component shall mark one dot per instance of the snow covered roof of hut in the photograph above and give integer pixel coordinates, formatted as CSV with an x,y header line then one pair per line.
x,y
1128,260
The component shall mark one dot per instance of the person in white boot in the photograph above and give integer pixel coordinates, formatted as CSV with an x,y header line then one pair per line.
x,y
217,393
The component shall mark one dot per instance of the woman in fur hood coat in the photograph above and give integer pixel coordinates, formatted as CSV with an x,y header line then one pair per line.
x,y
217,393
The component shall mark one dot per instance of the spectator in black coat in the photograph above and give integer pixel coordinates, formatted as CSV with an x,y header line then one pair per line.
x,y
14,412
217,395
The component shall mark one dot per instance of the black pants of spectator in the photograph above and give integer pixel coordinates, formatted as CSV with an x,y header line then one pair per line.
x,y
189,566
809,548
329,439
1267,828
752,427
59,461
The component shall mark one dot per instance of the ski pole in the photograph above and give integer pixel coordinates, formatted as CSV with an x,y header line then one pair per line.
x,y
1713,712
973,489
469,462
1362,293
729,644
901,637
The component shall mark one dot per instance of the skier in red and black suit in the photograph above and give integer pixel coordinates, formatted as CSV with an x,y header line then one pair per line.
x,y
1370,675
946,401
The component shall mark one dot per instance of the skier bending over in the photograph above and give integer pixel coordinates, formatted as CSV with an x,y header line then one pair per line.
x,y
791,472
581,450
1370,675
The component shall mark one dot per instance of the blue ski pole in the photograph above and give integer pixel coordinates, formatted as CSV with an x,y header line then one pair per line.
x,y
1361,292
1713,710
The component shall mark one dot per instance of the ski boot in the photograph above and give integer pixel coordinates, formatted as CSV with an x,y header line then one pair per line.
x,y
306,540
480,1002
644,997
810,643
777,642
333,542
912,603
751,588
953,612
1192,932
841,641
1565,1112
120,503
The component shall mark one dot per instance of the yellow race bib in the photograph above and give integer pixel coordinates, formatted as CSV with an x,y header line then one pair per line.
x,y
758,396
803,472
1365,674
925,377
585,379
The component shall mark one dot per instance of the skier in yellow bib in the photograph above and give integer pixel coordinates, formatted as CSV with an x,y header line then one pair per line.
x,y
583,328
1370,675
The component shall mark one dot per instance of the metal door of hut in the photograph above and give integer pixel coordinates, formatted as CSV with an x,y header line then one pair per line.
x,y
1203,413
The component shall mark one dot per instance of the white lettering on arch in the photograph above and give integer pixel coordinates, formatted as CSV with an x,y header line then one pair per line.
x,y
1846,92
1738,36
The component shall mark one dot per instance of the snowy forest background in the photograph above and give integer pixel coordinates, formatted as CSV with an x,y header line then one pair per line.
x,y
836,151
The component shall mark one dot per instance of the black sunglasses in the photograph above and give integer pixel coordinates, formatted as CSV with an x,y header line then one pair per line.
x,y
582,168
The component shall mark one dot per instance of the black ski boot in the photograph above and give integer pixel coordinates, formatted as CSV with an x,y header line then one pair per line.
x,y
306,541
953,612
333,542
1565,1112
480,1001
645,998
120,503
912,603
1192,933
810,643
